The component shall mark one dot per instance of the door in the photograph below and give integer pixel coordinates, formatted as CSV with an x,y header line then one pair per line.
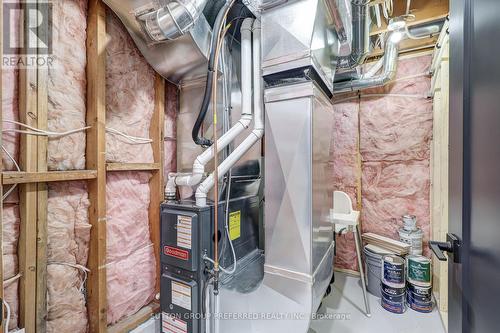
x,y
474,280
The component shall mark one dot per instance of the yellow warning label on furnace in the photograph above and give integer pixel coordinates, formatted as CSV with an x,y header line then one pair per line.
x,y
235,225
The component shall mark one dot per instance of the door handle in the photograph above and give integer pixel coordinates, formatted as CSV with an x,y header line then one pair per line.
x,y
452,246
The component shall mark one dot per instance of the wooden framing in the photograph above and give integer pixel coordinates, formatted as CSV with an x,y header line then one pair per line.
x,y
32,182
439,180
42,190
133,166
156,183
424,10
28,161
12,177
96,160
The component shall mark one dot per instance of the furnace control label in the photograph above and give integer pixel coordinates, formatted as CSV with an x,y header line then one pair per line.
x,y
181,295
171,324
235,225
184,231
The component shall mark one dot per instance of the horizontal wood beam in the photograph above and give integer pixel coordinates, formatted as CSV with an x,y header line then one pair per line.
x,y
425,11
13,177
132,166
129,323
409,45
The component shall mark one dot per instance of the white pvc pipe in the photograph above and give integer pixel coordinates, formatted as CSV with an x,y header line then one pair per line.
x,y
194,178
258,131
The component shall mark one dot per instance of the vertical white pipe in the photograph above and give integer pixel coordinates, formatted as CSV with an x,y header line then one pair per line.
x,y
257,133
194,178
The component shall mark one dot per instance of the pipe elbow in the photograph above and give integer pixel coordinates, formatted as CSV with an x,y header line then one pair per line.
x,y
246,26
171,188
256,25
246,120
173,20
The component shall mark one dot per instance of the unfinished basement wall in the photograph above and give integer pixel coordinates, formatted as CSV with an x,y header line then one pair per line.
x,y
68,228
134,96
381,154
130,96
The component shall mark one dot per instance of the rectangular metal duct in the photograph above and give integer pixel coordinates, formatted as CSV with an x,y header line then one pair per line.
x,y
296,36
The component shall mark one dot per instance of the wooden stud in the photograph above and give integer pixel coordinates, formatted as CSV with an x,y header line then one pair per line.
x,y
129,323
132,166
96,160
28,114
156,183
425,11
42,193
14,177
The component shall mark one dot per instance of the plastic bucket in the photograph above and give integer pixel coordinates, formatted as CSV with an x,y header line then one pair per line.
x,y
373,269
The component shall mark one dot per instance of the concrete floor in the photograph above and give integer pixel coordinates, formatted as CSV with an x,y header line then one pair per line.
x,y
345,313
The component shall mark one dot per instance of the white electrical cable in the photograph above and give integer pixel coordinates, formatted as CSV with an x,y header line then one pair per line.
x,y
9,191
40,132
84,269
134,139
12,279
7,320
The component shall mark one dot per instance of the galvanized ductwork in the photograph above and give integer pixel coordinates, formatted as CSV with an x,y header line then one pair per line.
x,y
388,74
360,36
173,20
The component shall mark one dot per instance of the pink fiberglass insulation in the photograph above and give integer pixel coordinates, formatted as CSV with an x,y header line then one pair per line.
x,y
131,283
10,225
130,96
67,250
131,265
346,172
10,217
10,105
394,143
67,85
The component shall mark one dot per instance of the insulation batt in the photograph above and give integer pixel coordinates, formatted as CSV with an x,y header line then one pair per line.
x,y
10,224
67,85
68,239
346,172
131,265
130,96
394,147
10,107
10,218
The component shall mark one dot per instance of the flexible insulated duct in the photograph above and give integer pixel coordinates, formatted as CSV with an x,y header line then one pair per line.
x,y
388,74
360,36
173,20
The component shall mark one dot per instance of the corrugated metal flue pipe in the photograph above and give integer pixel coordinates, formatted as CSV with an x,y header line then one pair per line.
x,y
174,20
360,36
388,74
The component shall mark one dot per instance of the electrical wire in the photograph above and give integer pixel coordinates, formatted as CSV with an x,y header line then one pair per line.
x,y
9,191
12,279
216,160
7,319
84,269
133,139
40,132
